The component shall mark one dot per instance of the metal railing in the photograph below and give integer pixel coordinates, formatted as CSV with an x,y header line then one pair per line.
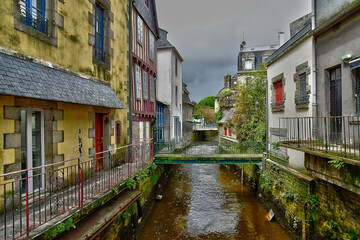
x,y
337,135
241,148
32,197
99,54
33,17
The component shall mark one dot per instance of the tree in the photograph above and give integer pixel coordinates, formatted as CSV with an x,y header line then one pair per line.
x,y
249,119
207,114
207,101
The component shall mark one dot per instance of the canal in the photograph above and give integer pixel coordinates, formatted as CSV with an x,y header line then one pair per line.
x,y
208,202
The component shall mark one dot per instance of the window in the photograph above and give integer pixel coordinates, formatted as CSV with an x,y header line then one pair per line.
x,y
140,30
152,90
176,95
248,64
176,67
225,129
304,98
32,13
99,33
138,82
229,132
145,86
151,46
279,93
118,132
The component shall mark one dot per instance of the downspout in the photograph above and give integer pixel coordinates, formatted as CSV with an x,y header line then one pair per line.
x,y
130,71
267,126
314,65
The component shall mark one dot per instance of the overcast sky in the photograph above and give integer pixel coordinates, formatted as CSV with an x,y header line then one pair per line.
x,y
208,33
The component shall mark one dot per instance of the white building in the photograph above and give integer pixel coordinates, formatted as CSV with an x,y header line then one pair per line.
x,y
169,84
290,89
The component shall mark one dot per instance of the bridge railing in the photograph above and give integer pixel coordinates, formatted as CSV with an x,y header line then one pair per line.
x,y
241,148
205,126
30,198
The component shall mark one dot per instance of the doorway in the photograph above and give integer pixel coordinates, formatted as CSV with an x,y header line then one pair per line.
x,y
99,134
335,104
32,148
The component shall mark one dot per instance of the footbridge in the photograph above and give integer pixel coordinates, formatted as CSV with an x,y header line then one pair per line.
x,y
208,158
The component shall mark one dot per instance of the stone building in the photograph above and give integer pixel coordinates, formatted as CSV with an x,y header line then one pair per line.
x,y
313,102
187,113
54,95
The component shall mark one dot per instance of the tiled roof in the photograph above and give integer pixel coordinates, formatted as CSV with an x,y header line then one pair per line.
x,y
19,77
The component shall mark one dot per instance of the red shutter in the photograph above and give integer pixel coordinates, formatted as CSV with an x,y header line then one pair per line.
x,y
225,131
279,92
229,132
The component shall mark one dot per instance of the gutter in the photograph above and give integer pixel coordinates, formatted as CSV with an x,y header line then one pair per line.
x,y
267,127
130,72
314,65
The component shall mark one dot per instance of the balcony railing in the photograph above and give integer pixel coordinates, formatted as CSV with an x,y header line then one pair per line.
x,y
336,135
99,54
32,197
302,99
33,17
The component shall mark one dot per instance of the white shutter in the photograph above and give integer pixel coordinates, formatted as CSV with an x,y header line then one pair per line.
x,y
138,82
145,85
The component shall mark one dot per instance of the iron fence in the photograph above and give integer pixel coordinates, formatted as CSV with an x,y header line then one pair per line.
x,y
32,197
337,135
228,147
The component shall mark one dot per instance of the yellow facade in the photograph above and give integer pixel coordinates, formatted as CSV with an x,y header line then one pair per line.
x,y
72,51
7,156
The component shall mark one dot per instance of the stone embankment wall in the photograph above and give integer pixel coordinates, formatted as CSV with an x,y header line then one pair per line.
x,y
304,205
129,224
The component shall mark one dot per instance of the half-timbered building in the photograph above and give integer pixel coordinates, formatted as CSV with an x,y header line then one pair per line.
x,y
145,32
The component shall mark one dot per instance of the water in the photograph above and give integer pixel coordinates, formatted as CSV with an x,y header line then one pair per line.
x,y
208,202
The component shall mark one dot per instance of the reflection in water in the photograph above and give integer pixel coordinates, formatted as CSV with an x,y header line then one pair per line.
x,y
208,202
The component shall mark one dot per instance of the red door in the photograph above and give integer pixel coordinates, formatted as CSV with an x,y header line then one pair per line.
x,y
99,140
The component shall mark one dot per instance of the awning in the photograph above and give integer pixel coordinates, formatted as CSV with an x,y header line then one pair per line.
x,y
19,77
355,63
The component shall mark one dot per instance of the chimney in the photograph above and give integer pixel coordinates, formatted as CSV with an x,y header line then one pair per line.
x,y
281,38
163,33
227,81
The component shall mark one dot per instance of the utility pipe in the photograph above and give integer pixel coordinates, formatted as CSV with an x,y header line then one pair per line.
x,y
130,71
267,125
314,65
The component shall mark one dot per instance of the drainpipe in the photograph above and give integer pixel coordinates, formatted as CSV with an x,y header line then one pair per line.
x,y
130,71
314,65
267,126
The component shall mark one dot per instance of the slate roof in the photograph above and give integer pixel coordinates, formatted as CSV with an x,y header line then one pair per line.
x,y
148,14
299,35
19,77
162,42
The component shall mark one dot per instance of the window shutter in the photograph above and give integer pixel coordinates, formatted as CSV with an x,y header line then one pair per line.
x,y
145,85
152,90
138,82
279,91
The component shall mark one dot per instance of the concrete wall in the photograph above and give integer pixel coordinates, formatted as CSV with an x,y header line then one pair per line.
x,y
286,65
325,9
330,47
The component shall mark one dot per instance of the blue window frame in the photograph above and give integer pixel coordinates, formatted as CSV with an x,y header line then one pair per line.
x,y
99,33
32,13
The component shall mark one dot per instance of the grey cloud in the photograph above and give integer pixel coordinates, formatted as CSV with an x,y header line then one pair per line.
x,y
208,33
